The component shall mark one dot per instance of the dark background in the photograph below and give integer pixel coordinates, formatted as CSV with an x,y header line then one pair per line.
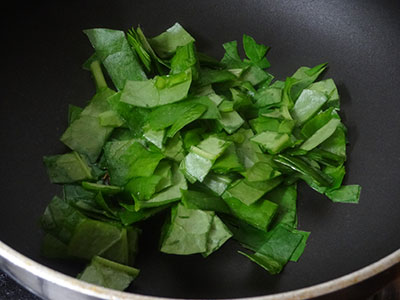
x,y
42,51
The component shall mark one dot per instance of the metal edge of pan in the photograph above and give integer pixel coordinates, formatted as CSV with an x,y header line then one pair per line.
x,y
52,284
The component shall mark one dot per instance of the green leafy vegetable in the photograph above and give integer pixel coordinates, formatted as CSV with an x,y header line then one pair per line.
x,y
86,135
114,52
67,168
157,91
167,42
194,231
215,146
109,274
345,194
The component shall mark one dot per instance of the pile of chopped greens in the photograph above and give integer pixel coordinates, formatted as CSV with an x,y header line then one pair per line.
x,y
218,146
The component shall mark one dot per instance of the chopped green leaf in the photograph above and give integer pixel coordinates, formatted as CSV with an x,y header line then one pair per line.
x,y
113,50
109,274
67,168
345,194
167,42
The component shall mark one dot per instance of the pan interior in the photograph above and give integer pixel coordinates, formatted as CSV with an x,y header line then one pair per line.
x,y
43,49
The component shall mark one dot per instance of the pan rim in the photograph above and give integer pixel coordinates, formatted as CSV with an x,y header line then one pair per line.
x,y
64,281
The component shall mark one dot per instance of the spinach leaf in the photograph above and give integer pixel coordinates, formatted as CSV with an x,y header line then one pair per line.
x,y
157,91
166,43
249,192
128,159
188,231
258,214
67,168
204,201
109,274
86,135
255,52
345,194
92,238
277,251
168,195
113,50
217,236
185,58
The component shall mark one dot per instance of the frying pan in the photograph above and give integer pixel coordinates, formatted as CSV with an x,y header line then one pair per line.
x,y
43,48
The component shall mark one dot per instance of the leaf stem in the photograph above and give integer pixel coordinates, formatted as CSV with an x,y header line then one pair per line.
x,y
95,67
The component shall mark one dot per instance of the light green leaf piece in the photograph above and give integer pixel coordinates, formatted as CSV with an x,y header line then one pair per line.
x,y
254,75
268,97
249,192
320,135
318,121
336,143
259,214
330,90
246,150
128,159
231,121
217,183
168,195
273,142
166,43
185,58
110,118
154,136
345,194
228,162
211,148
301,246
109,274
231,57
193,112
200,159
173,148
255,52
114,51
261,171
307,105
208,91
195,167
164,170
188,232
158,91
300,80
217,236
86,135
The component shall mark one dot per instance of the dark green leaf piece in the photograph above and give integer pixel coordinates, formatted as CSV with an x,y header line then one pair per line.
x,y
276,252
67,168
128,159
204,201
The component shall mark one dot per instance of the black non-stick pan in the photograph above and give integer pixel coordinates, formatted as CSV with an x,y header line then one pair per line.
x,y
43,48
